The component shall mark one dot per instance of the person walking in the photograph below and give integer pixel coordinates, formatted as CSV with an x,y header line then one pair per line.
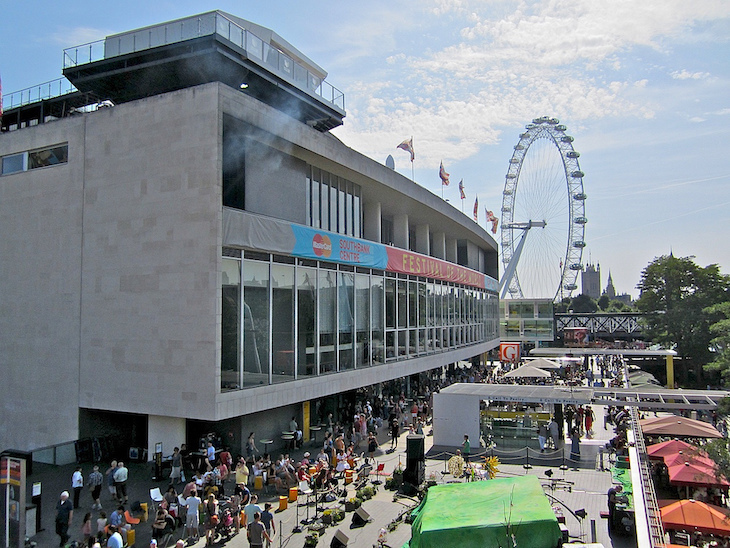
x,y
95,482
267,518
109,475
372,444
394,433
64,516
192,516
554,430
77,483
257,532
575,444
542,434
121,475
176,466
251,446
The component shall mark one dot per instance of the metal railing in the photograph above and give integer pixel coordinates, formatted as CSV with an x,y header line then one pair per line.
x,y
40,92
256,49
654,518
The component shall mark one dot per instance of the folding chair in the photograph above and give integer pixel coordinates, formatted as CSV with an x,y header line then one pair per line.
x,y
378,473
306,490
156,496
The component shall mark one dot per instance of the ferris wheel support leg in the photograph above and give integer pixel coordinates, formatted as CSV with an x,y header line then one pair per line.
x,y
512,266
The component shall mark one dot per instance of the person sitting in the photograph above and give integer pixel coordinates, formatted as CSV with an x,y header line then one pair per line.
x,y
164,523
170,497
322,456
302,474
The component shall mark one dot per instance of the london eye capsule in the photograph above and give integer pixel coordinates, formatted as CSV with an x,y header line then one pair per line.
x,y
581,220
579,244
561,127
576,266
567,139
573,154
577,174
580,196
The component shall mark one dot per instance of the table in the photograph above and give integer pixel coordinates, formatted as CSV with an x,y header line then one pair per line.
x,y
289,439
314,430
266,445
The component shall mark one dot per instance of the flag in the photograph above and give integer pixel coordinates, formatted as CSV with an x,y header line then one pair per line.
x,y
461,189
407,145
476,209
492,219
444,176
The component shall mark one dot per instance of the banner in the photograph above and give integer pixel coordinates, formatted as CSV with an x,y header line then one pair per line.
x,y
509,351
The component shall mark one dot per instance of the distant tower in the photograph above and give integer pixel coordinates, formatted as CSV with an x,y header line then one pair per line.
x,y
610,291
590,281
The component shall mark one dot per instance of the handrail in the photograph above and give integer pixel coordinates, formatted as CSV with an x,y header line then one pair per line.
x,y
40,92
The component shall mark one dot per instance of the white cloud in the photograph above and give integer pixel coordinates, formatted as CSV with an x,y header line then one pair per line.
x,y
77,36
686,75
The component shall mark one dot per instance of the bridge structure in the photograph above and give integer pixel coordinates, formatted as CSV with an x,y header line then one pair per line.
x,y
616,325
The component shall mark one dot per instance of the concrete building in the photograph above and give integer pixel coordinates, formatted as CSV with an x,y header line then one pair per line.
x,y
204,256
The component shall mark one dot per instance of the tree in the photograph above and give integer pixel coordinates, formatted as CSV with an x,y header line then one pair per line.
x,y
603,302
675,292
583,304
721,343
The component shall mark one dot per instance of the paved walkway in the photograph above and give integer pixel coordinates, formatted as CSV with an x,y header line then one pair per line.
x,y
587,491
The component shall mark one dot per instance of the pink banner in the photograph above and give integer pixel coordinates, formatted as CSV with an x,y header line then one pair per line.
x,y
406,262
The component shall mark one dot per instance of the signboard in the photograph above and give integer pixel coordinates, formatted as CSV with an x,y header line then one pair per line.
x,y
575,336
509,351
328,246
12,502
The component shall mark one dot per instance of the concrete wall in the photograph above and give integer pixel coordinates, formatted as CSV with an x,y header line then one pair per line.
x,y
40,270
151,257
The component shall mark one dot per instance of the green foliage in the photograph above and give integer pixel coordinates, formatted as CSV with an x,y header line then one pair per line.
x,y
674,295
721,344
603,302
719,451
583,304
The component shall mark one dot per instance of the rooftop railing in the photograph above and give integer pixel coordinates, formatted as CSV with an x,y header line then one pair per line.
x,y
256,49
40,92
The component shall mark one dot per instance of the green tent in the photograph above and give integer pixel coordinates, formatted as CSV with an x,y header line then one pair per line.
x,y
485,514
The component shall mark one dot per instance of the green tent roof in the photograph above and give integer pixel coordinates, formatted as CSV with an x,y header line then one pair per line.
x,y
485,514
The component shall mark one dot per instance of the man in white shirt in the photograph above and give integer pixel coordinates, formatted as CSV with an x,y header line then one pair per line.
x,y
192,517
121,474
77,482
115,540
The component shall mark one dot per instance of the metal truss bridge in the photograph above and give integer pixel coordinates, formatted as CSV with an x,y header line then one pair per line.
x,y
617,325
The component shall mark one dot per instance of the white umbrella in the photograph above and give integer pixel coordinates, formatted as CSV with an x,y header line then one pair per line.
x,y
527,372
542,363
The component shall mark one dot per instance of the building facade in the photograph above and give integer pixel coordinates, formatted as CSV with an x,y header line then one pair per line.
x,y
204,256
590,281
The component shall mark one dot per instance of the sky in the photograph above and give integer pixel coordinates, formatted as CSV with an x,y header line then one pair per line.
x,y
643,87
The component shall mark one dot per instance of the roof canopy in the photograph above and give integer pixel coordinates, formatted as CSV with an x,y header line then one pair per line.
x,y
527,372
486,513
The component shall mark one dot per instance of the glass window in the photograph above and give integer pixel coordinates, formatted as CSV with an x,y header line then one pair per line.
x,y
282,322
48,157
362,320
421,304
377,301
327,320
306,318
255,323
356,217
348,211
230,332
341,225
402,303
346,305
324,204
333,207
390,302
14,163
412,304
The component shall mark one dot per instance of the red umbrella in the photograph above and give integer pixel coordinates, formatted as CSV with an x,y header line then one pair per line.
x,y
692,457
695,474
667,448
693,515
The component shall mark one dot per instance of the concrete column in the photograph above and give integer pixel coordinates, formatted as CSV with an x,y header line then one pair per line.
x,y
170,431
451,249
400,231
423,244
372,221
439,245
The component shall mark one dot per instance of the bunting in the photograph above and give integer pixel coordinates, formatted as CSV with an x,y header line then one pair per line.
x,y
407,145
444,176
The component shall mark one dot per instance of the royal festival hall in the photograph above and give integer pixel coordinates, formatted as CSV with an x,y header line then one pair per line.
x,y
188,249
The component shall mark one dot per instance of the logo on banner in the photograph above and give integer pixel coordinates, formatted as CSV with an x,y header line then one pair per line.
x,y
322,245
509,352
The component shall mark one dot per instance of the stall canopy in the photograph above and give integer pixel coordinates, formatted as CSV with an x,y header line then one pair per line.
x,y
674,425
485,513
695,473
668,448
693,515
527,372
543,363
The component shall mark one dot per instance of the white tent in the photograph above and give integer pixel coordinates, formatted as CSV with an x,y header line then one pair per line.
x,y
543,363
527,372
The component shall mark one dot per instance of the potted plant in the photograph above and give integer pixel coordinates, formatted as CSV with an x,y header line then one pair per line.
x,y
337,515
352,504
398,476
328,516
311,539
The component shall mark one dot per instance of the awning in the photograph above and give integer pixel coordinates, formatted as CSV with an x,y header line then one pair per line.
x,y
675,425
693,515
527,372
